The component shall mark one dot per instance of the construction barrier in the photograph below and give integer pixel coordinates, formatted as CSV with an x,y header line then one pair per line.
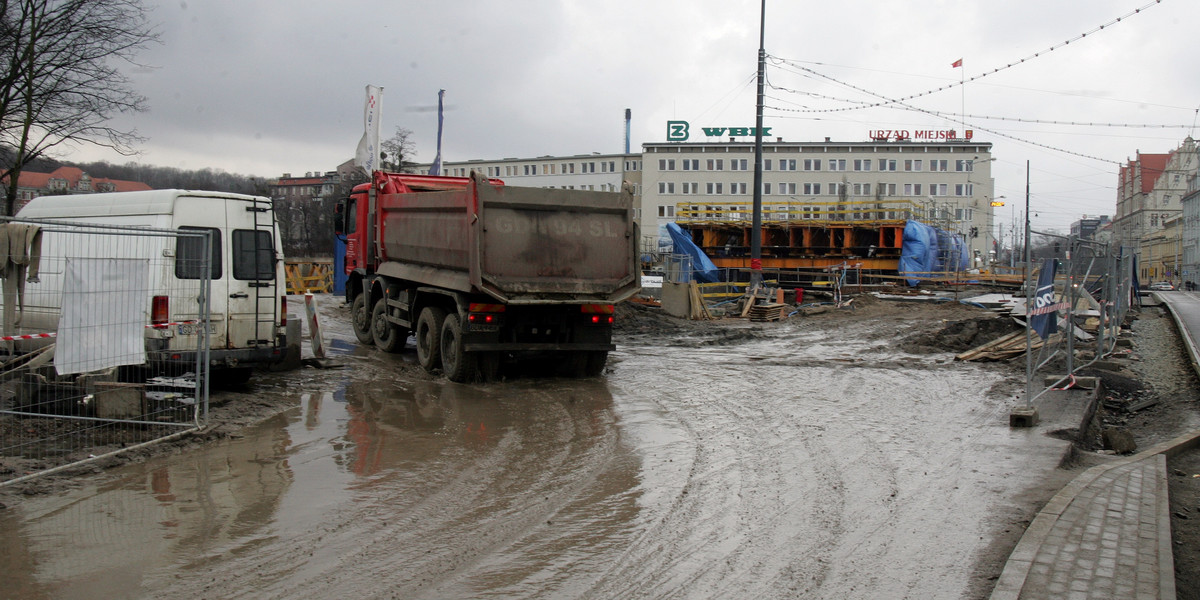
x,y
304,277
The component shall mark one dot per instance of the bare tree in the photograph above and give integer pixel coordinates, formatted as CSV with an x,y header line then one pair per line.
x,y
59,77
400,150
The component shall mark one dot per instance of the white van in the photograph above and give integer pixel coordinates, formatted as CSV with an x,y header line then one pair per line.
x,y
248,307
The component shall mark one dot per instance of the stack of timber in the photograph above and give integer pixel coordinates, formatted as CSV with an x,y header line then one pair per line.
x,y
697,309
1004,348
767,312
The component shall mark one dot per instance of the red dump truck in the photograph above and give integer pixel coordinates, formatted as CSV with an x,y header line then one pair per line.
x,y
480,272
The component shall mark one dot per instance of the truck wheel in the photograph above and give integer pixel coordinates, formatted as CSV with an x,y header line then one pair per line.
x,y
360,319
595,363
428,334
459,366
388,337
489,366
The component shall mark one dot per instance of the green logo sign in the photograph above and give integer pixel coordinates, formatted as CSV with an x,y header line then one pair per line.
x,y
677,131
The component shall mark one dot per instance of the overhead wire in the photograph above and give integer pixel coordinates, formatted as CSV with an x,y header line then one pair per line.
x,y
985,73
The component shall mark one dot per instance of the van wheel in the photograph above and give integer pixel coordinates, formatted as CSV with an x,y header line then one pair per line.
x,y
428,334
459,365
360,319
388,336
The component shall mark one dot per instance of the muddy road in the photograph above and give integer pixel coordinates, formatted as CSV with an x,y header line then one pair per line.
x,y
809,458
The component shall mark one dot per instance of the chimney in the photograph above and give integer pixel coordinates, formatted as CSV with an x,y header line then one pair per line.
x,y
628,117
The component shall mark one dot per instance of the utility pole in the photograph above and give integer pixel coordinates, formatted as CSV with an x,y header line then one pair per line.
x,y
756,224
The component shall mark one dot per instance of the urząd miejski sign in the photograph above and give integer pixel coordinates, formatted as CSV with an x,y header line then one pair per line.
x,y
679,131
880,135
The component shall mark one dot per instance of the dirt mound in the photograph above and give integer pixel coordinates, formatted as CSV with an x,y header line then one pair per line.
x,y
959,335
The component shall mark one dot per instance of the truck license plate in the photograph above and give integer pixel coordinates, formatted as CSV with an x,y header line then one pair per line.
x,y
194,328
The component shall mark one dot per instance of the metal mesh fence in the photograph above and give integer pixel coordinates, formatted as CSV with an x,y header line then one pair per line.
x,y
103,345
1078,293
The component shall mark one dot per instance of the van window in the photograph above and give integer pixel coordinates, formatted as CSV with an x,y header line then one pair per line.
x,y
189,254
253,254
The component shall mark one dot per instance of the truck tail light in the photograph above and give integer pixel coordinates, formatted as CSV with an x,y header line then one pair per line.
x,y
159,310
485,314
283,311
598,314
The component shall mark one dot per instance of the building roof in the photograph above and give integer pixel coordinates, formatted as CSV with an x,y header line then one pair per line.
x,y
72,175
1152,165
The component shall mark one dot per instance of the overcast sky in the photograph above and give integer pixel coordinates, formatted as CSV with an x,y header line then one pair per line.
x,y
261,87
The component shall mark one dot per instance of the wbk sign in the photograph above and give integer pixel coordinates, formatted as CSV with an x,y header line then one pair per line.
x,y
679,131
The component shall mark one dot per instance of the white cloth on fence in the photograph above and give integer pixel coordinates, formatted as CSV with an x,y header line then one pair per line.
x,y
105,306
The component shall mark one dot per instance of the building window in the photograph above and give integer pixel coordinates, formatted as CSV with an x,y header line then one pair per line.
x,y
737,188
964,165
812,164
836,189
837,164
937,189
887,164
612,166
766,164
666,187
889,187
716,164
862,189
666,211
939,165
691,164
787,164
964,189
913,165
812,189
862,164
737,164
766,189
666,164
787,189
713,188
691,188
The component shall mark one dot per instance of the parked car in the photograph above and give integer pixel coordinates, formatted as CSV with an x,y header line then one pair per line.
x,y
1161,286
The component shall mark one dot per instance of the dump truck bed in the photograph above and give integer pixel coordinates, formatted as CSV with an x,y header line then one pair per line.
x,y
518,245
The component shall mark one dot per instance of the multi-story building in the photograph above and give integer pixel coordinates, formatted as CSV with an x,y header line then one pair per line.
x,y
1162,253
1150,191
1086,227
946,184
1189,243
597,172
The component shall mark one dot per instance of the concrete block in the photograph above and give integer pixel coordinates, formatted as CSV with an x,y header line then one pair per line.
x,y
1023,417
115,400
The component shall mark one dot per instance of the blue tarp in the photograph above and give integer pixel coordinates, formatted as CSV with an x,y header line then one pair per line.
x,y
703,269
926,249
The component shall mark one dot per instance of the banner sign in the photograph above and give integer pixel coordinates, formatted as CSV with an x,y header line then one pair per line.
x,y
367,155
1044,318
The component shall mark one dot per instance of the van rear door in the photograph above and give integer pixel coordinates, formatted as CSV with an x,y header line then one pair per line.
x,y
198,213
253,285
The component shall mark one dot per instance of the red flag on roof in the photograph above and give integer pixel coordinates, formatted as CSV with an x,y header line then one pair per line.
x,y
957,63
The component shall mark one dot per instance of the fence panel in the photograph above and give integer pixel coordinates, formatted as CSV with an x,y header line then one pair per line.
x,y
1077,296
92,316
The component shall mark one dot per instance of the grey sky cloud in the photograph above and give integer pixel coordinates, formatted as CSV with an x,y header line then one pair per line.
x,y
264,87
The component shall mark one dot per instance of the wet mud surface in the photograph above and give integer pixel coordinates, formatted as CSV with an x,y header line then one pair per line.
x,y
833,456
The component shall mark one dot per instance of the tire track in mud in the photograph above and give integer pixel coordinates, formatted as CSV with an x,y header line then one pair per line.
x,y
816,505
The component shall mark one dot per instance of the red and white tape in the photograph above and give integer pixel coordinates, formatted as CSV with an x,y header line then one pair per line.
x,y
38,336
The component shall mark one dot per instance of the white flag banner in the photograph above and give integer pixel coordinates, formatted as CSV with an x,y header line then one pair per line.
x,y
367,156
